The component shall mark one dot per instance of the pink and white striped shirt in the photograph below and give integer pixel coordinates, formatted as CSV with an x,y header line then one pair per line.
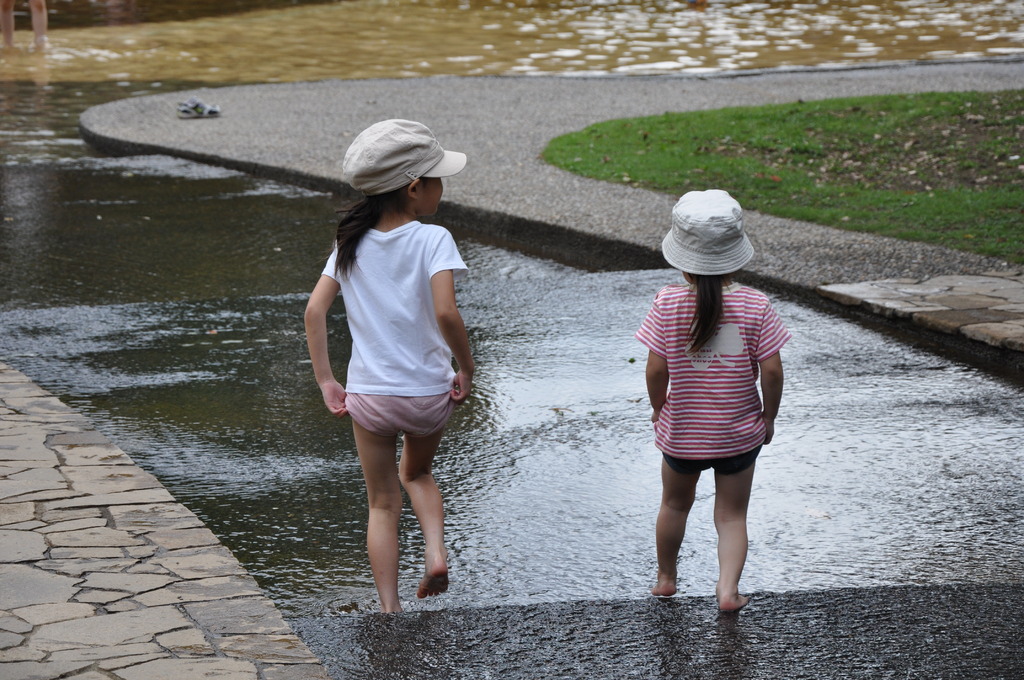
x,y
713,408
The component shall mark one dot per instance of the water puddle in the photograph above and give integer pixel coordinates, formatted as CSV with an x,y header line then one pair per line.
x,y
403,38
180,336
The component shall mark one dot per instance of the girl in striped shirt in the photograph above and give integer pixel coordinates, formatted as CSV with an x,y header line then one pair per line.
x,y
709,340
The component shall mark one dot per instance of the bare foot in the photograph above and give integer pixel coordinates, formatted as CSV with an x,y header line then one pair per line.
x,y
435,580
732,603
665,587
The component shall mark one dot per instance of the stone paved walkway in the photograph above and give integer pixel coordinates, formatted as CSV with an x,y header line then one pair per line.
x,y
104,576
988,308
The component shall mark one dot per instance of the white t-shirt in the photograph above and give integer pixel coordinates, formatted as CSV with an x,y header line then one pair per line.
x,y
397,347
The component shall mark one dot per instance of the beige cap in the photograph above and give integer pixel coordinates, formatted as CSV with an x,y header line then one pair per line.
x,y
392,153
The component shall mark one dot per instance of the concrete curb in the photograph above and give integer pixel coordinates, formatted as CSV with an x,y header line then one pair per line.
x,y
104,575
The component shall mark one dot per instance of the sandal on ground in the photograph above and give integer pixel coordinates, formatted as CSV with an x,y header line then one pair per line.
x,y
196,108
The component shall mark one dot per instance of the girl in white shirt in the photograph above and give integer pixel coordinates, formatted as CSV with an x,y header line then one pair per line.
x,y
397,277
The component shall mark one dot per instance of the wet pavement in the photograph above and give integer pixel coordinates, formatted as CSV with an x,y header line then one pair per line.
x,y
905,632
298,132
104,575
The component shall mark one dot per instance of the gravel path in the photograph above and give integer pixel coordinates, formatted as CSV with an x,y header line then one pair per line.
x,y
298,132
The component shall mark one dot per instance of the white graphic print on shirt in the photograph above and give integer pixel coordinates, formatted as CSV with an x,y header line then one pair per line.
x,y
724,347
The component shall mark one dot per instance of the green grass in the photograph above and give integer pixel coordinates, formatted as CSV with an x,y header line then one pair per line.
x,y
944,168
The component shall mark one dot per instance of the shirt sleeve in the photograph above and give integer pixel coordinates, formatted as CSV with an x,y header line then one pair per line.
x,y
330,269
445,255
773,334
652,331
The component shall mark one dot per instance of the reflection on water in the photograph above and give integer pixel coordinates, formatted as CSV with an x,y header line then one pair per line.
x,y
185,346
75,13
402,38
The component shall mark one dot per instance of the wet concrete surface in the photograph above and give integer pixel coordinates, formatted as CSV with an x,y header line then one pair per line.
x,y
962,631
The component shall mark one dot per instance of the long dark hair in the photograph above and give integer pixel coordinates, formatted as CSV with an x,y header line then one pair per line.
x,y
708,311
357,220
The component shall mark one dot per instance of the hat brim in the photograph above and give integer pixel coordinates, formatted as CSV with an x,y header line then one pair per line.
x,y
707,264
452,164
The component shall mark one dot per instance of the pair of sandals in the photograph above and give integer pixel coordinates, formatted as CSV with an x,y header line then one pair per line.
x,y
194,107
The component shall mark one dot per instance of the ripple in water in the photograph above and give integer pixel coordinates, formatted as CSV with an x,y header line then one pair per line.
x,y
891,466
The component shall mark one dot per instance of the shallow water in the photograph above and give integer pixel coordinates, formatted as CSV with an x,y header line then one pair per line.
x,y
164,299
409,38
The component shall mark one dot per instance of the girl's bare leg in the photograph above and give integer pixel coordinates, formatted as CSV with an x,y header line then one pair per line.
x,y
39,20
384,496
7,21
676,500
732,496
418,481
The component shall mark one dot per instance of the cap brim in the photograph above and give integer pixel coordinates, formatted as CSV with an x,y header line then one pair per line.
x,y
452,164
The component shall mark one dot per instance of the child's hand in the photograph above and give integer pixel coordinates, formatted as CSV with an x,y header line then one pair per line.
x,y
656,415
463,386
334,397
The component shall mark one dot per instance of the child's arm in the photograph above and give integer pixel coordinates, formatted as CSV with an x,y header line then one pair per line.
x,y
657,383
320,301
771,392
453,330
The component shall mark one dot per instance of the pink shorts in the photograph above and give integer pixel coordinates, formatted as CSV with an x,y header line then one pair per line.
x,y
386,415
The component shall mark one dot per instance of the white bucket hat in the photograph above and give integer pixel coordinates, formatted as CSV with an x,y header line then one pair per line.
x,y
392,153
707,234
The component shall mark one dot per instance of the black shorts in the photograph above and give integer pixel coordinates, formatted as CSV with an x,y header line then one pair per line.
x,y
722,466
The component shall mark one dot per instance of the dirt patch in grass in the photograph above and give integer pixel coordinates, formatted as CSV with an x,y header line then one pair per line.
x,y
962,144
